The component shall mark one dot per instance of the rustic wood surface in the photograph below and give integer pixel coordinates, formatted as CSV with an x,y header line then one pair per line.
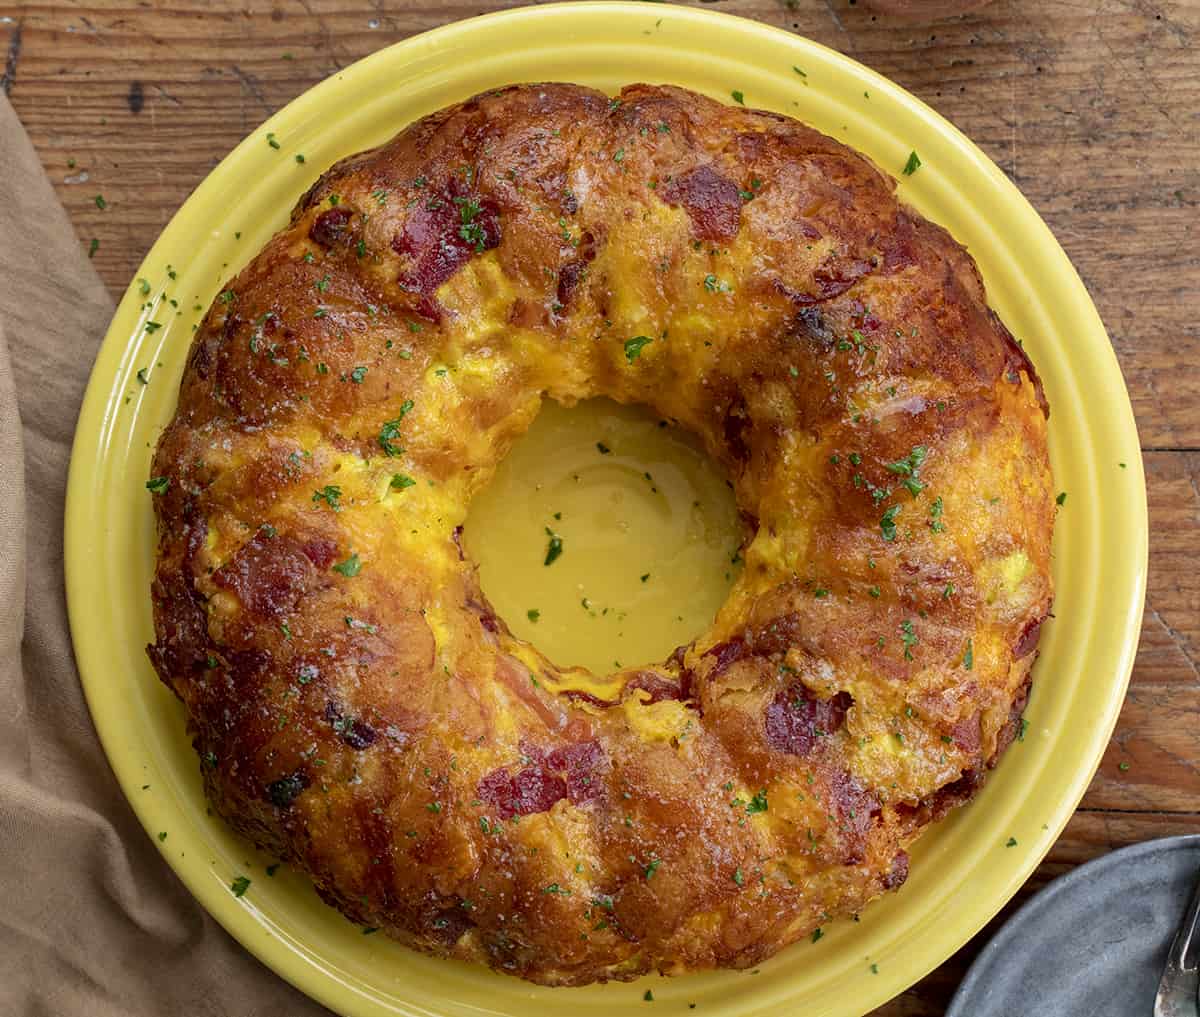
x,y
1092,107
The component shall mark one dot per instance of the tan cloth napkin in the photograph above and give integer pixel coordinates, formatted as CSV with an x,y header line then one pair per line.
x,y
92,921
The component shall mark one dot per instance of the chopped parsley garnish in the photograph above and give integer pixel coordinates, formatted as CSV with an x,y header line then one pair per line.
x,y
271,140
554,548
887,524
400,481
758,803
152,326
239,886
873,591
738,877
648,996
329,494
358,374
533,614
350,567
969,656
715,285
101,203
817,934
470,230
652,867
935,515
908,468
158,485
634,346
798,71
93,247
142,377
738,97
300,158
603,449
1012,842
162,835
1061,499
908,637
389,434
144,286
913,164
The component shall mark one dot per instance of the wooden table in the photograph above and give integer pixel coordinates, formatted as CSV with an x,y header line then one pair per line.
x,y
1092,107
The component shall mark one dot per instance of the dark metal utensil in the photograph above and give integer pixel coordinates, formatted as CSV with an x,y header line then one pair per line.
x,y
1179,990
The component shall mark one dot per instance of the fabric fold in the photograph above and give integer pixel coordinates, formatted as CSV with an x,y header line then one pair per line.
x,y
93,920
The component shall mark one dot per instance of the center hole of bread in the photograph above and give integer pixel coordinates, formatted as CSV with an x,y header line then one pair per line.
x,y
607,536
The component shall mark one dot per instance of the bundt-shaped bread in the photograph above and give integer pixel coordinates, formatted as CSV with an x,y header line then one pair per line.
x,y
359,709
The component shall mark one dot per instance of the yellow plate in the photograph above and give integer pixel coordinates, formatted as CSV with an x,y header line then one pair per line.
x,y
962,871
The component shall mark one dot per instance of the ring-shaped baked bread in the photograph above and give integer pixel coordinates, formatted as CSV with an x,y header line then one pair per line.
x,y
362,713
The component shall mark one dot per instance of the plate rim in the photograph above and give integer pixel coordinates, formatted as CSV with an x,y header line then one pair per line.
x,y
275,952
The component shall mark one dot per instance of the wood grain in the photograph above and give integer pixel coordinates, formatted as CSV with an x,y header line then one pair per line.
x,y
1092,107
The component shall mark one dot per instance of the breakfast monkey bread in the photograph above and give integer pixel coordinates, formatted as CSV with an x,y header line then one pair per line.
x,y
359,709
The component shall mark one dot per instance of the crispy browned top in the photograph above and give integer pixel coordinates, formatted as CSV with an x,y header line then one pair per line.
x,y
361,711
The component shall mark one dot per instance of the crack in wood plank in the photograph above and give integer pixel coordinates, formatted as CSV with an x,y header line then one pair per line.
x,y
9,77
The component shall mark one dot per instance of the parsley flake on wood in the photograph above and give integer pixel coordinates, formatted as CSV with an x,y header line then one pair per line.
x,y
93,247
634,346
101,203
350,567
554,549
913,164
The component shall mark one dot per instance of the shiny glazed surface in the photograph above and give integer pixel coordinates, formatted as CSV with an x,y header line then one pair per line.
x,y
362,711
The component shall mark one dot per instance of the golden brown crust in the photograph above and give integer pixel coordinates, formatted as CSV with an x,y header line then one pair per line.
x,y
360,710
